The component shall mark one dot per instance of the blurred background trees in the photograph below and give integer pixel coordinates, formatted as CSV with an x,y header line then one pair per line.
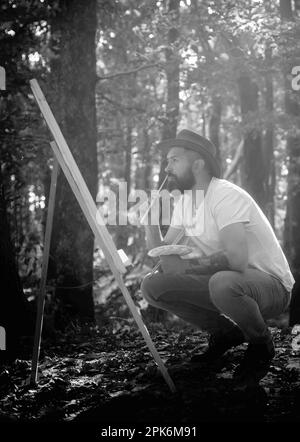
x,y
122,75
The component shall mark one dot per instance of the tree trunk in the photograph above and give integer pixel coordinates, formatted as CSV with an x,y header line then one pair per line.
x,y
73,77
292,220
253,166
147,185
15,315
143,174
172,73
172,111
214,124
128,155
268,151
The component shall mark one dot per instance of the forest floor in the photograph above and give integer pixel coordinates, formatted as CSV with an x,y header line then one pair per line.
x,y
106,375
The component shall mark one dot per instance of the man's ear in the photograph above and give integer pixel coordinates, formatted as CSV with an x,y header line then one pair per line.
x,y
198,165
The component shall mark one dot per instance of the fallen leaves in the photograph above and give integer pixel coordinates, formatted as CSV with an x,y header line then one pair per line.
x,y
110,373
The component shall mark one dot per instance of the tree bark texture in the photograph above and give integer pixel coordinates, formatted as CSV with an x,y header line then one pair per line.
x,y
172,75
72,91
253,165
214,124
268,150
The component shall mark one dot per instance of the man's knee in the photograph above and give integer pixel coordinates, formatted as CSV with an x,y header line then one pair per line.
x,y
146,287
150,288
158,289
221,286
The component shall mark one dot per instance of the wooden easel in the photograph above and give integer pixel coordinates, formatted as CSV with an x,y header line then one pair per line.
x,y
41,299
68,165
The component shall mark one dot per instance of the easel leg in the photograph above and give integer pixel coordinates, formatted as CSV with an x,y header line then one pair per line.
x,y
42,294
145,333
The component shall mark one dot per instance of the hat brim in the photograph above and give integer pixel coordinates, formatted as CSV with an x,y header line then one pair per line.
x,y
166,145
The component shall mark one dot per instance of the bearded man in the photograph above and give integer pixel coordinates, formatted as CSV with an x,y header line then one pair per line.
x,y
240,277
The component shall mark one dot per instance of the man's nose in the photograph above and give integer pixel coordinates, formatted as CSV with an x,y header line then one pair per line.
x,y
167,169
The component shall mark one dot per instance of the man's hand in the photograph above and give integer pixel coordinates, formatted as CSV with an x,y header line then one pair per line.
x,y
173,264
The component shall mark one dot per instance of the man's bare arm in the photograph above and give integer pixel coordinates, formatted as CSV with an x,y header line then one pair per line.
x,y
234,243
234,255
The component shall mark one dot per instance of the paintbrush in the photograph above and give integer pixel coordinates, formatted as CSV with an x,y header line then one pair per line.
x,y
153,201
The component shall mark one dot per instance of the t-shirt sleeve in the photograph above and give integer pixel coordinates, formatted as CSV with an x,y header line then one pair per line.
x,y
233,207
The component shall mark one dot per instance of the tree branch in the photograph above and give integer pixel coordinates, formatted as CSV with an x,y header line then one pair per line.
x,y
120,105
133,71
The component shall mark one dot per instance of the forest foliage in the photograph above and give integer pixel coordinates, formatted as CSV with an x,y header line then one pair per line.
x,y
221,68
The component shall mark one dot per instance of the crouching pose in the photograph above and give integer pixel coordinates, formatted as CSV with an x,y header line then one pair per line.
x,y
240,276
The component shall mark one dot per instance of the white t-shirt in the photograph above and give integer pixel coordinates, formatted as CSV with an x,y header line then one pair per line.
x,y
226,203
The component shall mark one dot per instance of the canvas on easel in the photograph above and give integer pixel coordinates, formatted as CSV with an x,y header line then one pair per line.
x,y
73,175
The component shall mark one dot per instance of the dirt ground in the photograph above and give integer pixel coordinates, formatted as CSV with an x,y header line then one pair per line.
x,y
106,376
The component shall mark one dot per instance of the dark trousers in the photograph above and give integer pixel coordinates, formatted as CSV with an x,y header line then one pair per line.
x,y
215,303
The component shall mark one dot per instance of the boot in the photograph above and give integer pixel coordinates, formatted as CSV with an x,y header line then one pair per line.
x,y
256,361
218,344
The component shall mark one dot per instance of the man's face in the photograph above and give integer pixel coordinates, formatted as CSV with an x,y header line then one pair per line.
x,y
179,170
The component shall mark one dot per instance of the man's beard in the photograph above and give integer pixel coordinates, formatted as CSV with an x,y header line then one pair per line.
x,y
185,182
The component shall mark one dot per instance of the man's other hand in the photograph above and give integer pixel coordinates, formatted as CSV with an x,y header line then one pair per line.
x,y
173,264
